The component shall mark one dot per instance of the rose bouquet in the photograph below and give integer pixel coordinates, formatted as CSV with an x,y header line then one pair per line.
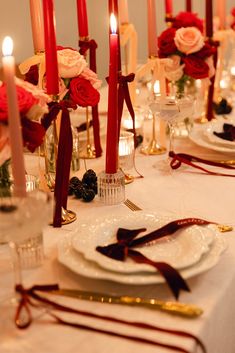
x,y
32,104
77,83
191,56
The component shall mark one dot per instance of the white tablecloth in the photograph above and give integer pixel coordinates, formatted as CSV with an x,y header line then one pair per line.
x,y
185,193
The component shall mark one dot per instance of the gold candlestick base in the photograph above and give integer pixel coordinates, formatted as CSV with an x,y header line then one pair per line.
x,y
68,216
89,153
153,149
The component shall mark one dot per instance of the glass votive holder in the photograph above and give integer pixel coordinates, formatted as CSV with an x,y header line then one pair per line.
x,y
127,122
126,150
22,220
111,187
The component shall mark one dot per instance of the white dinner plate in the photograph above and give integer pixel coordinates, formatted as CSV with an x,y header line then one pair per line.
x,y
217,126
182,249
198,136
76,262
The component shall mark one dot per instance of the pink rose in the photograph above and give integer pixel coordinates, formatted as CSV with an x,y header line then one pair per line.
x,y
92,77
25,101
174,71
38,93
5,150
70,63
188,40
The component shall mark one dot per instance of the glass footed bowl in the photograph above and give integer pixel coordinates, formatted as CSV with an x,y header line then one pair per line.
x,y
21,217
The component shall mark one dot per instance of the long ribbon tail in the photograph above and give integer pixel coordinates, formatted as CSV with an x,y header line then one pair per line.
x,y
178,159
173,278
168,229
62,167
41,301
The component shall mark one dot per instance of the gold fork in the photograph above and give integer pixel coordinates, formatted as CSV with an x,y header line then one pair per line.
x,y
131,205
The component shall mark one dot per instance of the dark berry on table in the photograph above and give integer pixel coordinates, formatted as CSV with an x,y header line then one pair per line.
x,y
74,181
70,190
89,177
78,191
93,186
88,195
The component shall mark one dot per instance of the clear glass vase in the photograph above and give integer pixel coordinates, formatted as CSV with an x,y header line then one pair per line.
x,y
51,150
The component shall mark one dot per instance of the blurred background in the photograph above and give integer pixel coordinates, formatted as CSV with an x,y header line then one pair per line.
x,y
15,21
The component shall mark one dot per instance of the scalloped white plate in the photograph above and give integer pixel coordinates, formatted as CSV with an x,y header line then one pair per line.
x,y
198,136
217,126
182,249
76,262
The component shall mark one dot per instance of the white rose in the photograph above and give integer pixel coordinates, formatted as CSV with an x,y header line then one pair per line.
x,y
188,40
70,63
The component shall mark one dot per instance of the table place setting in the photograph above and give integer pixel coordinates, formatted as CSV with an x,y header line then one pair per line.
x,y
116,203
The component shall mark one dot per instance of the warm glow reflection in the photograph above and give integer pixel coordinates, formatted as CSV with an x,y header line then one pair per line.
x,y
156,87
232,71
7,46
113,23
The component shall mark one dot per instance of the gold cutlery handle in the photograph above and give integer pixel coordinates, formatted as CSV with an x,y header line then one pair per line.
x,y
183,309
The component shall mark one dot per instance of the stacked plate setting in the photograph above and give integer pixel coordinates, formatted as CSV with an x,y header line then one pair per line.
x,y
192,250
203,135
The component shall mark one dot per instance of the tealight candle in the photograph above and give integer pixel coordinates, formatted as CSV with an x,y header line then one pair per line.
x,y
16,141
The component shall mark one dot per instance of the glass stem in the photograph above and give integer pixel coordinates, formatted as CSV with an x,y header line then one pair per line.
x,y
16,262
171,136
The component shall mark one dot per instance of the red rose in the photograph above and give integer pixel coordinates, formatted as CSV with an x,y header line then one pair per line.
x,y
83,93
166,43
25,101
195,67
33,134
206,51
187,19
233,12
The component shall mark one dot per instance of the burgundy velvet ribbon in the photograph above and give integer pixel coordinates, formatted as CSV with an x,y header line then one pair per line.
x,y
126,241
209,111
64,156
124,96
30,298
91,45
179,158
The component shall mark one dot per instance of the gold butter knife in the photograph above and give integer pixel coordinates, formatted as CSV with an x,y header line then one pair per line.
x,y
188,310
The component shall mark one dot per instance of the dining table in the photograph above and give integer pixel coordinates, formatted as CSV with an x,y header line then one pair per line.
x,y
183,193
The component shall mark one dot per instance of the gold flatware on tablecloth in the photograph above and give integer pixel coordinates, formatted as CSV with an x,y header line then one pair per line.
x,y
187,310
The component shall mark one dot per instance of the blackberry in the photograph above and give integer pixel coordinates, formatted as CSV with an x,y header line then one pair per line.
x,y
88,195
74,181
78,191
89,177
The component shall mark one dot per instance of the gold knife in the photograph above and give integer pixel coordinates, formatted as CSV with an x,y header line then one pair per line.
x,y
188,310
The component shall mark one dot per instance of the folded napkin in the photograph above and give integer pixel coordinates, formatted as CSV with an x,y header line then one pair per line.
x,y
228,132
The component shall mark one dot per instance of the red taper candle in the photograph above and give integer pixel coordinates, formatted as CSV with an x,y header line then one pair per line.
x,y
168,7
188,5
82,19
209,18
113,8
52,76
112,124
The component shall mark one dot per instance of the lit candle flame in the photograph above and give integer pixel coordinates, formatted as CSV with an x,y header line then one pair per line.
x,y
7,46
113,24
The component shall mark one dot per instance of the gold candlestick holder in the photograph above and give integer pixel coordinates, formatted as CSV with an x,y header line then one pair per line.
x,y
153,148
89,151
